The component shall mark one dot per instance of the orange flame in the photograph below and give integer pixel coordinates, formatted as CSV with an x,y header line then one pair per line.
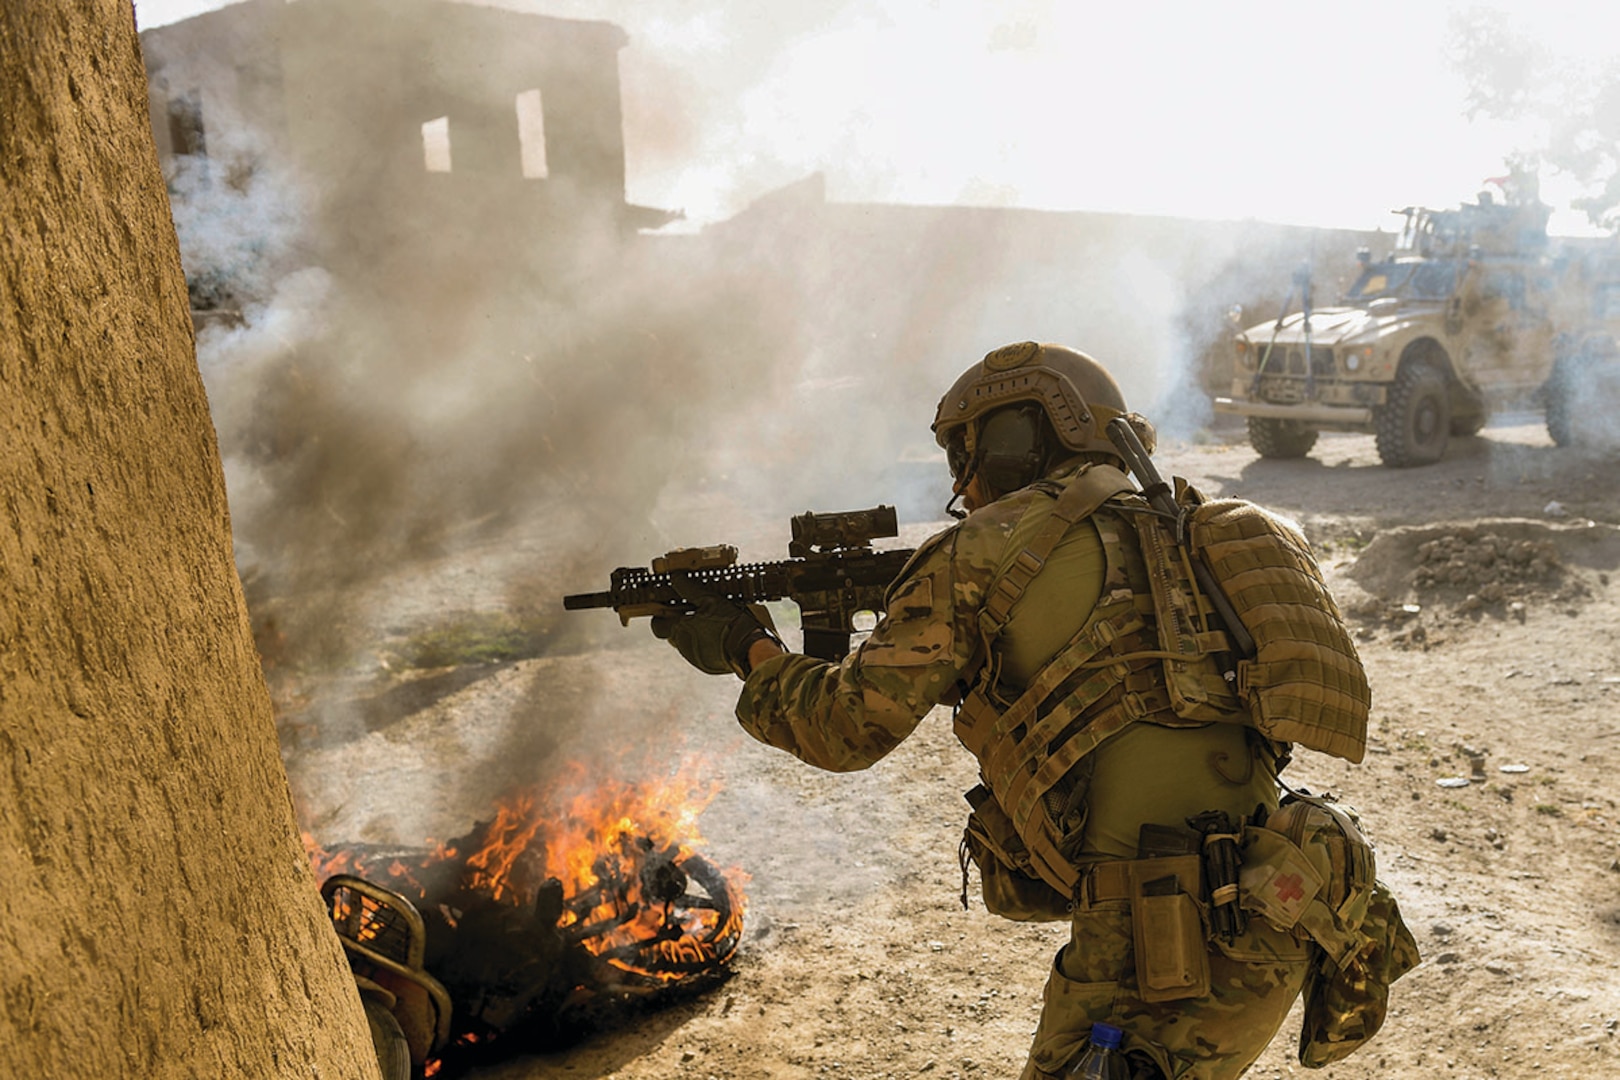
x,y
598,842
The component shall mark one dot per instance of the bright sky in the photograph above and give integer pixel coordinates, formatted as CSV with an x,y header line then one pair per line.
x,y
1310,113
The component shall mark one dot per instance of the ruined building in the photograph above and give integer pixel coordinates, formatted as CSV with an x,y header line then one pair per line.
x,y
411,129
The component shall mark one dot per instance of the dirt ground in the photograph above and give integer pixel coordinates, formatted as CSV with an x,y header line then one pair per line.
x,y
1479,588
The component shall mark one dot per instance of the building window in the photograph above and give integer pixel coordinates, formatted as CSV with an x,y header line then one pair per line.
x,y
436,145
531,119
186,126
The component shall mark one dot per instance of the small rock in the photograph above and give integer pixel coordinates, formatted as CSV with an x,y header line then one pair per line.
x,y
1515,769
1555,509
1446,958
687,1056
1441,929
1496,967
936,946
1453,781
1437,834
1490,834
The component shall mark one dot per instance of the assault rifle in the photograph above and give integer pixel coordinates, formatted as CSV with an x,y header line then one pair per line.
x,y
832,573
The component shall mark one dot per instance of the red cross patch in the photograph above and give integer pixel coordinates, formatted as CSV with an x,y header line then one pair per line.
x,y
1289,887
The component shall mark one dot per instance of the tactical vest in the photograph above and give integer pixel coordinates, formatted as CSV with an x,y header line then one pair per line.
x,y
1108,675
1148,652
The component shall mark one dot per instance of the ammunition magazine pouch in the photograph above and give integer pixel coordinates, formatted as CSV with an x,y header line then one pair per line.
x,y
1170,938
1309,870
1007,877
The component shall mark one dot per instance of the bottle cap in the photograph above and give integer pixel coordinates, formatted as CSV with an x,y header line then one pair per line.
x,y
1106,1036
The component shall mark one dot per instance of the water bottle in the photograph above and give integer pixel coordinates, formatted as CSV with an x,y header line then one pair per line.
x,y
1103,1059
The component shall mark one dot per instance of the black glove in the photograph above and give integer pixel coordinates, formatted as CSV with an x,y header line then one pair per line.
x,y
715,637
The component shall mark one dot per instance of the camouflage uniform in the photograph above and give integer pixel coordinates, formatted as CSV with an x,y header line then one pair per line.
x,y
926,651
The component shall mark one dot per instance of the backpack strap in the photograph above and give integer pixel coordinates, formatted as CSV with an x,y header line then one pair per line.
x,y
1079,499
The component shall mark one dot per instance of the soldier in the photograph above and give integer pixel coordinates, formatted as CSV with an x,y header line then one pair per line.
x,y
1034,617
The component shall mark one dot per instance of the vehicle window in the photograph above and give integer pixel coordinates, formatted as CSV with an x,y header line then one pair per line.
x,y
1502,285
1376,281
1433,281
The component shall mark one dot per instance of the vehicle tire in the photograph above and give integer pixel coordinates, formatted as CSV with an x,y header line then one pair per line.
x,y
1414,423
388,1040
1561,401
1273,438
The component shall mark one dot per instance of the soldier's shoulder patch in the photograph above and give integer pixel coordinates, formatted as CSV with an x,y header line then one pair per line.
x,y
911,644
935,546
912,598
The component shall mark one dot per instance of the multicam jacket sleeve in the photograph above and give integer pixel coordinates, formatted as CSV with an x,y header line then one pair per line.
x,y
846,716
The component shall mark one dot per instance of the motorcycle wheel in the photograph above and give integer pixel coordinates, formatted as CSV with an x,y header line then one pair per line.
x,y
393,1052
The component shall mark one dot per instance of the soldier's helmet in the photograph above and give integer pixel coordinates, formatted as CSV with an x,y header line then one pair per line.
x,y
1077,395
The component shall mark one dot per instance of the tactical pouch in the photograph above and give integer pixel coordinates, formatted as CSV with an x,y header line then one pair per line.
x,y
1305,683
1007,879
1172,948
1310,869
1345,1006
1197,686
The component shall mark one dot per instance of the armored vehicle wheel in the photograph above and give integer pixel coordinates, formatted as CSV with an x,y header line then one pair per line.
x,y
1583,388
1572,394
1280,438
1415,422
1560,397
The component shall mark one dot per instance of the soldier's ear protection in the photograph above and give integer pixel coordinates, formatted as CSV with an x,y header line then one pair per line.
x,y
1010,449
1013,448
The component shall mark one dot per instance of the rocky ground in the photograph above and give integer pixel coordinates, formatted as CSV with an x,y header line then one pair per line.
x,y
1479,588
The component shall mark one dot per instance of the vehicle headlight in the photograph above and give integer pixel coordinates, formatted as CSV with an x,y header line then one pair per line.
x,y
1245,354
1354,358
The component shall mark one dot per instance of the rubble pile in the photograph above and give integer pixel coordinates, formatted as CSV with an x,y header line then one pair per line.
x,y
1487,566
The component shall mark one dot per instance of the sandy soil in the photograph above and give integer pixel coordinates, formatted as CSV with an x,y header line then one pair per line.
x,y
1480,589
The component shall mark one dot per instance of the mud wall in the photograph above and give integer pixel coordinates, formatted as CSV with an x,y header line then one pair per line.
x,y
157,915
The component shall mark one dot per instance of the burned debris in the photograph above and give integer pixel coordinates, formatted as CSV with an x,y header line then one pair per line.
x,y
529,934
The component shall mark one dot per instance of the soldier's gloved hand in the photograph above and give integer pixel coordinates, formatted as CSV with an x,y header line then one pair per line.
x,y
716,636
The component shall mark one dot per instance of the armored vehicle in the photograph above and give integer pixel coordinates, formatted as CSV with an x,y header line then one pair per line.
x,y
1471,313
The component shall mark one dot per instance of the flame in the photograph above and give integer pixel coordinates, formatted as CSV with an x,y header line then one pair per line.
x,y
603,839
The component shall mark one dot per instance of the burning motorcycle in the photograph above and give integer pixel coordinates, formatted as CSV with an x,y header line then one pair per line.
x,y
514,939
